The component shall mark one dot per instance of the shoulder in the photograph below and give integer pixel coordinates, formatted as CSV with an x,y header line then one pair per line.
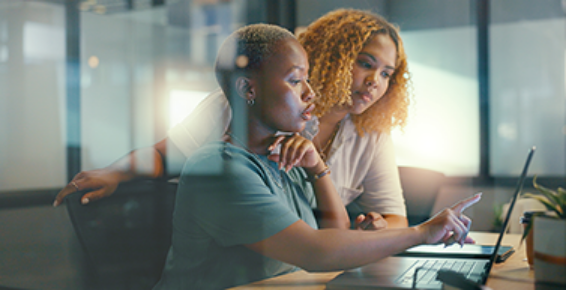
x,y
349,131
220,158
218,96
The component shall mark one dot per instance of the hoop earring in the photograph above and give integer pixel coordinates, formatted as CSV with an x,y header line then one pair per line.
x,y
250,102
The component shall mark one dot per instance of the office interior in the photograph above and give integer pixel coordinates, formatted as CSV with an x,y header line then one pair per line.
x,y
83,82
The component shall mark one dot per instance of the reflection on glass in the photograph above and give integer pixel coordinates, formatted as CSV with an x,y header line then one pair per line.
x,y
182,103
527,91
443,129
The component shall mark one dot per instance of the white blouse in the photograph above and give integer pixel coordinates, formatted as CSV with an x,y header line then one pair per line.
x,y
364,169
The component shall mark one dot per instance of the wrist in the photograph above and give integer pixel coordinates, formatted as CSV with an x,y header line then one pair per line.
x,y
317,168
119,175
318,173
420,233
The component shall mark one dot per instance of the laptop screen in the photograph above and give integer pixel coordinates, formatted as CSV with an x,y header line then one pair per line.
x,y
518,189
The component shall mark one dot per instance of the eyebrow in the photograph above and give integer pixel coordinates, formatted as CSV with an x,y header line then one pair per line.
x,y
374,59
297,67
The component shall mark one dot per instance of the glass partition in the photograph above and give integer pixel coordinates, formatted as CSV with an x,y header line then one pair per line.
x,y
143,66
32,95
527,94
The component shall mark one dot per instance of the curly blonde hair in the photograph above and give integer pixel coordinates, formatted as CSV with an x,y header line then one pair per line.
x,y
332,43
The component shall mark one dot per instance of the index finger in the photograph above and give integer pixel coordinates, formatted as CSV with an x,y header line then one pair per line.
x,y
464,204
275,143
68,189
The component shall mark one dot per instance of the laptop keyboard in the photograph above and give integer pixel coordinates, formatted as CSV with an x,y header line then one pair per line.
x,y
426,276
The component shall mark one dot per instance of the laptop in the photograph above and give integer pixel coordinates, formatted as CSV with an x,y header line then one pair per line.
x,y
457,251
399,272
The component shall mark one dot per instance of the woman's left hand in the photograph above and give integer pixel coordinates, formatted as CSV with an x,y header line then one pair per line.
x,y
296,150
371,221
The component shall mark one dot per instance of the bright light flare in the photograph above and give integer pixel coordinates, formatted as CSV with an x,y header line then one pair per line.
x,y
182,103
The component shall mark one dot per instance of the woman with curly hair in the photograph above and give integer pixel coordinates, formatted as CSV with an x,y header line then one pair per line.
x,y
358,70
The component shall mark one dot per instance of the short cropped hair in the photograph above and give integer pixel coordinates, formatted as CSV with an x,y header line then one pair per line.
x,y
332,43
245,50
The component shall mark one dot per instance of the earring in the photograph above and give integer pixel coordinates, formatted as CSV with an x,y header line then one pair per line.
x,y
250,102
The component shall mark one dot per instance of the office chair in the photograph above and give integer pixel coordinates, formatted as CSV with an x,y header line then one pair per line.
x,y
420,189
126,236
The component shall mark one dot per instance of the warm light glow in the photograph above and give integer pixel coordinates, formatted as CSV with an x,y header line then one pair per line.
x,y
182,103
443,129
93,61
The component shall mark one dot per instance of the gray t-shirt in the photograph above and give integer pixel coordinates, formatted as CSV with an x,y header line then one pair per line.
x,y
228,197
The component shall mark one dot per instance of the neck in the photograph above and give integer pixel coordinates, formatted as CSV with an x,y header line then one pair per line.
x,y
333,117
258,139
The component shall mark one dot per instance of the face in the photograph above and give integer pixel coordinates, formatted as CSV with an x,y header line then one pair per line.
x,y
373,68
283,97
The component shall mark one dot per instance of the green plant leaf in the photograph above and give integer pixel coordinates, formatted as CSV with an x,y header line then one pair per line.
x,y
551,195
497,210
562,196
543,199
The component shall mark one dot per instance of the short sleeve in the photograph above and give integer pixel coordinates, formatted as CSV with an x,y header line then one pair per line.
x,y
237,207
208,122
382,190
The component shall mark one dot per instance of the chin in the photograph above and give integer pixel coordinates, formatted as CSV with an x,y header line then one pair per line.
x,y
358,110
298,128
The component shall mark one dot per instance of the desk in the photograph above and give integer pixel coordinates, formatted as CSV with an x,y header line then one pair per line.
x,y
512,274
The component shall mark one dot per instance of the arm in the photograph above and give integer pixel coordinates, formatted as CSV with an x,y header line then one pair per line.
x,y
396,221
333,214
334,249
382,198
206,123
147,162
299,151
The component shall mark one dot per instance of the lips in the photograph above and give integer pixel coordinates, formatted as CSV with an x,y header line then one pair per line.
x,y
307,113
365,96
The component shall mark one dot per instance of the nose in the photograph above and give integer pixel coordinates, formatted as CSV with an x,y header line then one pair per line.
x,y
308,94
372,80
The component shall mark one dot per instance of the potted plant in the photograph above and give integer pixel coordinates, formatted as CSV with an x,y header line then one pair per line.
x,y
549,235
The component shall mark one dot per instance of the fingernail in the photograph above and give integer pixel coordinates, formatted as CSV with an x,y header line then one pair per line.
x,y
55,203
84,200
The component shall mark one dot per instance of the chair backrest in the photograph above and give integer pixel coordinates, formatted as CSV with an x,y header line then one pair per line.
x,y
420,188
126,236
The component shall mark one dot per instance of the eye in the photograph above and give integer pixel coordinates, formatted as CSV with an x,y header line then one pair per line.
x,y
364,64
385,74
295,81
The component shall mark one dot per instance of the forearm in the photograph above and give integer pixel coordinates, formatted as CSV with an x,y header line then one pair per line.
x,y
140,163
335,249
396,221
351,249
332,211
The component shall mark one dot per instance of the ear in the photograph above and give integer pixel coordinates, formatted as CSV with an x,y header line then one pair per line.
x,y
244,88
